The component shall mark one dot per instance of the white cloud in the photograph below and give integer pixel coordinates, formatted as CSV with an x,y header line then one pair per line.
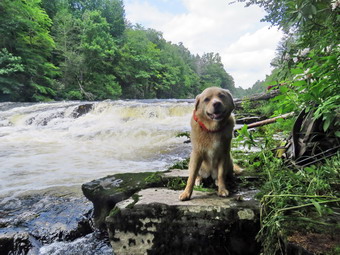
x,y
248,59
142,12
246,45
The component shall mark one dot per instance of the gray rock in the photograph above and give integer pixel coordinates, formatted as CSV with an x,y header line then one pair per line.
x,y
30,221
106,192
156,222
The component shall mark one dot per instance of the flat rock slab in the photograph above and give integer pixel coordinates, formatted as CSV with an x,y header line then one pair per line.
x,y
182,173
202,199
154,221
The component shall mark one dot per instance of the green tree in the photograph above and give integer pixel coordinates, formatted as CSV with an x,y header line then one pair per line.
x,y
66,33
24,28
308,60
98,50
10,67
212,72
112,10
85,52
138,67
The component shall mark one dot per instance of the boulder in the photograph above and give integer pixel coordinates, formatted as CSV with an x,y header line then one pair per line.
x,y
81,110
28,222
154,221
106,192
143,215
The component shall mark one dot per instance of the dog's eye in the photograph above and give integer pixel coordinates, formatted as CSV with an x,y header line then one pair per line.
x,y
221,96
207,99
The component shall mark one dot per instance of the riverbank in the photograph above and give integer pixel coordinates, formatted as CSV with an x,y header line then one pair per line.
x,y
59,220
142,215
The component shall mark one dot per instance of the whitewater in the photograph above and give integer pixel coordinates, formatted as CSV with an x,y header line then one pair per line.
x,y
47,145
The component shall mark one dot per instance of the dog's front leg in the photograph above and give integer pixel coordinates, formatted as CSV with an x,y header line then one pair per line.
x,y
222,168
194,166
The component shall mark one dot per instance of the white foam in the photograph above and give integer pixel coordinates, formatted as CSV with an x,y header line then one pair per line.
x,y
43,145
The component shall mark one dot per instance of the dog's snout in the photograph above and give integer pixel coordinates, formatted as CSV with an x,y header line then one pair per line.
x,y
217,104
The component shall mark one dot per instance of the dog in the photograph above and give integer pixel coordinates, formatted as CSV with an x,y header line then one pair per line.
x,y
212,125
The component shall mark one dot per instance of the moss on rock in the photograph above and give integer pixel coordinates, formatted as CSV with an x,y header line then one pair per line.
x,y
106,192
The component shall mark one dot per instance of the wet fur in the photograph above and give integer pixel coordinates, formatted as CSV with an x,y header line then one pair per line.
x,y
210,154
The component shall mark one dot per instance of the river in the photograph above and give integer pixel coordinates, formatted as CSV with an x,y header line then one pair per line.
x,y
47,150
44,145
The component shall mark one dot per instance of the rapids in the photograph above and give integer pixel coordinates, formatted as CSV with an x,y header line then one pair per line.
x,y
47,146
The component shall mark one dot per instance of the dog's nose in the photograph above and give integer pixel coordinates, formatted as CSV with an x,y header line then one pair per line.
x,y
217,104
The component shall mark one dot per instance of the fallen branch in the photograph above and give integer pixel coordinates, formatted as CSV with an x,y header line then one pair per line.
x,y
257,97
264,96
268,121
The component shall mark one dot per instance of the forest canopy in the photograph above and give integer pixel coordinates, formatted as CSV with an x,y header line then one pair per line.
x,y
87,50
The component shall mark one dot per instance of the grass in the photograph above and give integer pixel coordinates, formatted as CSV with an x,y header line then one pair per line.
x,y
299,201
181,164
295,202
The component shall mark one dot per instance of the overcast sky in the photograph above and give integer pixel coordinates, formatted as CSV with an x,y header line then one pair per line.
x,y
245,44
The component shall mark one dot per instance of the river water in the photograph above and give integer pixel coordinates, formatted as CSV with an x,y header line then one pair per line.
x,y
44,145
47,150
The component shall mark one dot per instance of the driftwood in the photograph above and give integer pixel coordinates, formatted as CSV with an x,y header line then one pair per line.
x,y
267,121
258,97
264,96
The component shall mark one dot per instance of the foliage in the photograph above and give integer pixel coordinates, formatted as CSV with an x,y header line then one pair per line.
x,y
176,183
258,87
298,200
24,28
10,66
86,50
301,199
211,72
184,164
308,58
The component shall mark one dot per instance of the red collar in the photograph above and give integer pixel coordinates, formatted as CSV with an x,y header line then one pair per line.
x,y
203,126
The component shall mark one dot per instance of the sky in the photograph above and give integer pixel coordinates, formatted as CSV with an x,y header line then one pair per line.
x,y
245,44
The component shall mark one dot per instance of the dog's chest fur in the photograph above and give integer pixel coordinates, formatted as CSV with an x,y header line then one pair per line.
x,y
211,143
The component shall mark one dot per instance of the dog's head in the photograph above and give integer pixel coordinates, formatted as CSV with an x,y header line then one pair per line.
x,y
214,104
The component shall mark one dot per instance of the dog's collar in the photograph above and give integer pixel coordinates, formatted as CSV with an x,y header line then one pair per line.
x,y
203,126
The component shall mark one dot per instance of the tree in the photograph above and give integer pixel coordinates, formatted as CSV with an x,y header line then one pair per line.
x,y
10,67
308,63
83,50
212,72
98,49
112,10
138,65
24,27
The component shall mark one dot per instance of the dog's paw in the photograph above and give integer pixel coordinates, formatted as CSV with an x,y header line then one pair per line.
x,y
223,192
198,181
184,196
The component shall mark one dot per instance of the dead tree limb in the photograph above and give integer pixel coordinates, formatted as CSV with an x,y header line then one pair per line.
x,y
268,121
258,97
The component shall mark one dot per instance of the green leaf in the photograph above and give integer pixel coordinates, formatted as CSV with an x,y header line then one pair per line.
x,y
299,83
296,71
279,98
317,207
283,89
326,124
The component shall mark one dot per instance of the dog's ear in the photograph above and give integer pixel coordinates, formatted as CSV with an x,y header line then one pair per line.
x,y
197,101
228,94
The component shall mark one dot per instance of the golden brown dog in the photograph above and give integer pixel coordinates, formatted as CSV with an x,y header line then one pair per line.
x,y
211,133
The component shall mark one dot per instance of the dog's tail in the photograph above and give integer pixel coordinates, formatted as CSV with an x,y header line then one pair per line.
x,y
238,170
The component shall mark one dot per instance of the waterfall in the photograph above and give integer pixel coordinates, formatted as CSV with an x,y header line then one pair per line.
x,y
44,145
